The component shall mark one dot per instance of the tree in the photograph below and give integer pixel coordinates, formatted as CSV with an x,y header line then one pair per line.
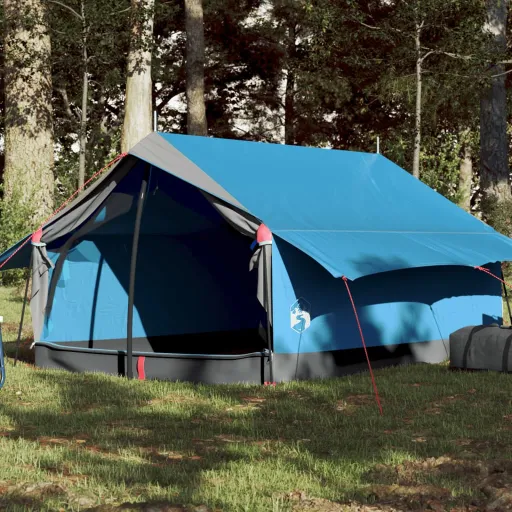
x,y
194,27
494,166
82,116
89,47
29,149
465,172
440,34
139,90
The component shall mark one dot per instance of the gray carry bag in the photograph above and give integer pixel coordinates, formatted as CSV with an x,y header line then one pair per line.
x,y
481,347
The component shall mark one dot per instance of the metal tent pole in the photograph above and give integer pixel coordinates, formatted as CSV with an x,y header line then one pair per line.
x,y
269,327
133,268
18,341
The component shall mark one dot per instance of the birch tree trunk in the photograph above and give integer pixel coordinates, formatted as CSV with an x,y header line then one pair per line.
x,y
137,116
196,110
289,109
417,115
85,99
29,159
494,171
466,174
289,98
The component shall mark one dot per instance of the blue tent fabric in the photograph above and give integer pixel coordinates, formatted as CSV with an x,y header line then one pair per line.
x,y
406,306
354,213
332,214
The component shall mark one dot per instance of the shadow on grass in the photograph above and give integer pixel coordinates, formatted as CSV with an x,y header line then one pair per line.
x,y
176,436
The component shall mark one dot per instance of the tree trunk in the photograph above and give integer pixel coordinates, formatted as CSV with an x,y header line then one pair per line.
x,y
83,115
289,109
417,115
196,110
289,98
466,174
137,116
28,175
494,171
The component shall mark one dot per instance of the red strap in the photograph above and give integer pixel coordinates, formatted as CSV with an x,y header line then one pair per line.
x,y
376,391
487,271
140,367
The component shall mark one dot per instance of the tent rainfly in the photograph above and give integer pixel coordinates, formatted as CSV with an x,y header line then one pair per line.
x,y
214,260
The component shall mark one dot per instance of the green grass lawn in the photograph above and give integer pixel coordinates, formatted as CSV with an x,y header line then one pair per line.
x,y
78,441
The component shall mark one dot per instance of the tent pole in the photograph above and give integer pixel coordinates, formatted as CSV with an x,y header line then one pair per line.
x,y
18,341
269,327
133,268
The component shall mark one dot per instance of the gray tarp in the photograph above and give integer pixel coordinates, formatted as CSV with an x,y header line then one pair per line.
x,y
41,265
155,150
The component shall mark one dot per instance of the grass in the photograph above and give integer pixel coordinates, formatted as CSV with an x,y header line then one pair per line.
x,y
76,441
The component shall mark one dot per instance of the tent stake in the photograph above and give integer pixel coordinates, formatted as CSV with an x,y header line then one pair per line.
x,y
18,341
133,268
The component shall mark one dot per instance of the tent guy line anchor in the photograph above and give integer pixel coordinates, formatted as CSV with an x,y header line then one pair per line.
x,y
376,391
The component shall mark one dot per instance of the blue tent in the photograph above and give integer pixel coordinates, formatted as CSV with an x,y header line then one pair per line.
x,y
148,272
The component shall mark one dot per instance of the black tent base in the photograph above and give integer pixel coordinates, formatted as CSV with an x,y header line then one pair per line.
x,y
248,367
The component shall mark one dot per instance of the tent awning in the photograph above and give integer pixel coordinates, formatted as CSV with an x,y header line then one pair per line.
x,y
357,254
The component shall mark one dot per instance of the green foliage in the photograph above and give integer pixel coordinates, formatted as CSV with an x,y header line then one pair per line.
x,y
498,214
440,163
15,223
107,41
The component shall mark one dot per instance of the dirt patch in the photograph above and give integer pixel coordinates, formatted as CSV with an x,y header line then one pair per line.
x,y
479,447
151,507
299,502
444,401
176,399
52,441
230,438
26,354
7,431
27,493
65,473
492,478
351,403
407,473
394,500
497,487
294,394
161,457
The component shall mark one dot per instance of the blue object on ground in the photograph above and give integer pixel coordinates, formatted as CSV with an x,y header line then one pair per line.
x,y
2,363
